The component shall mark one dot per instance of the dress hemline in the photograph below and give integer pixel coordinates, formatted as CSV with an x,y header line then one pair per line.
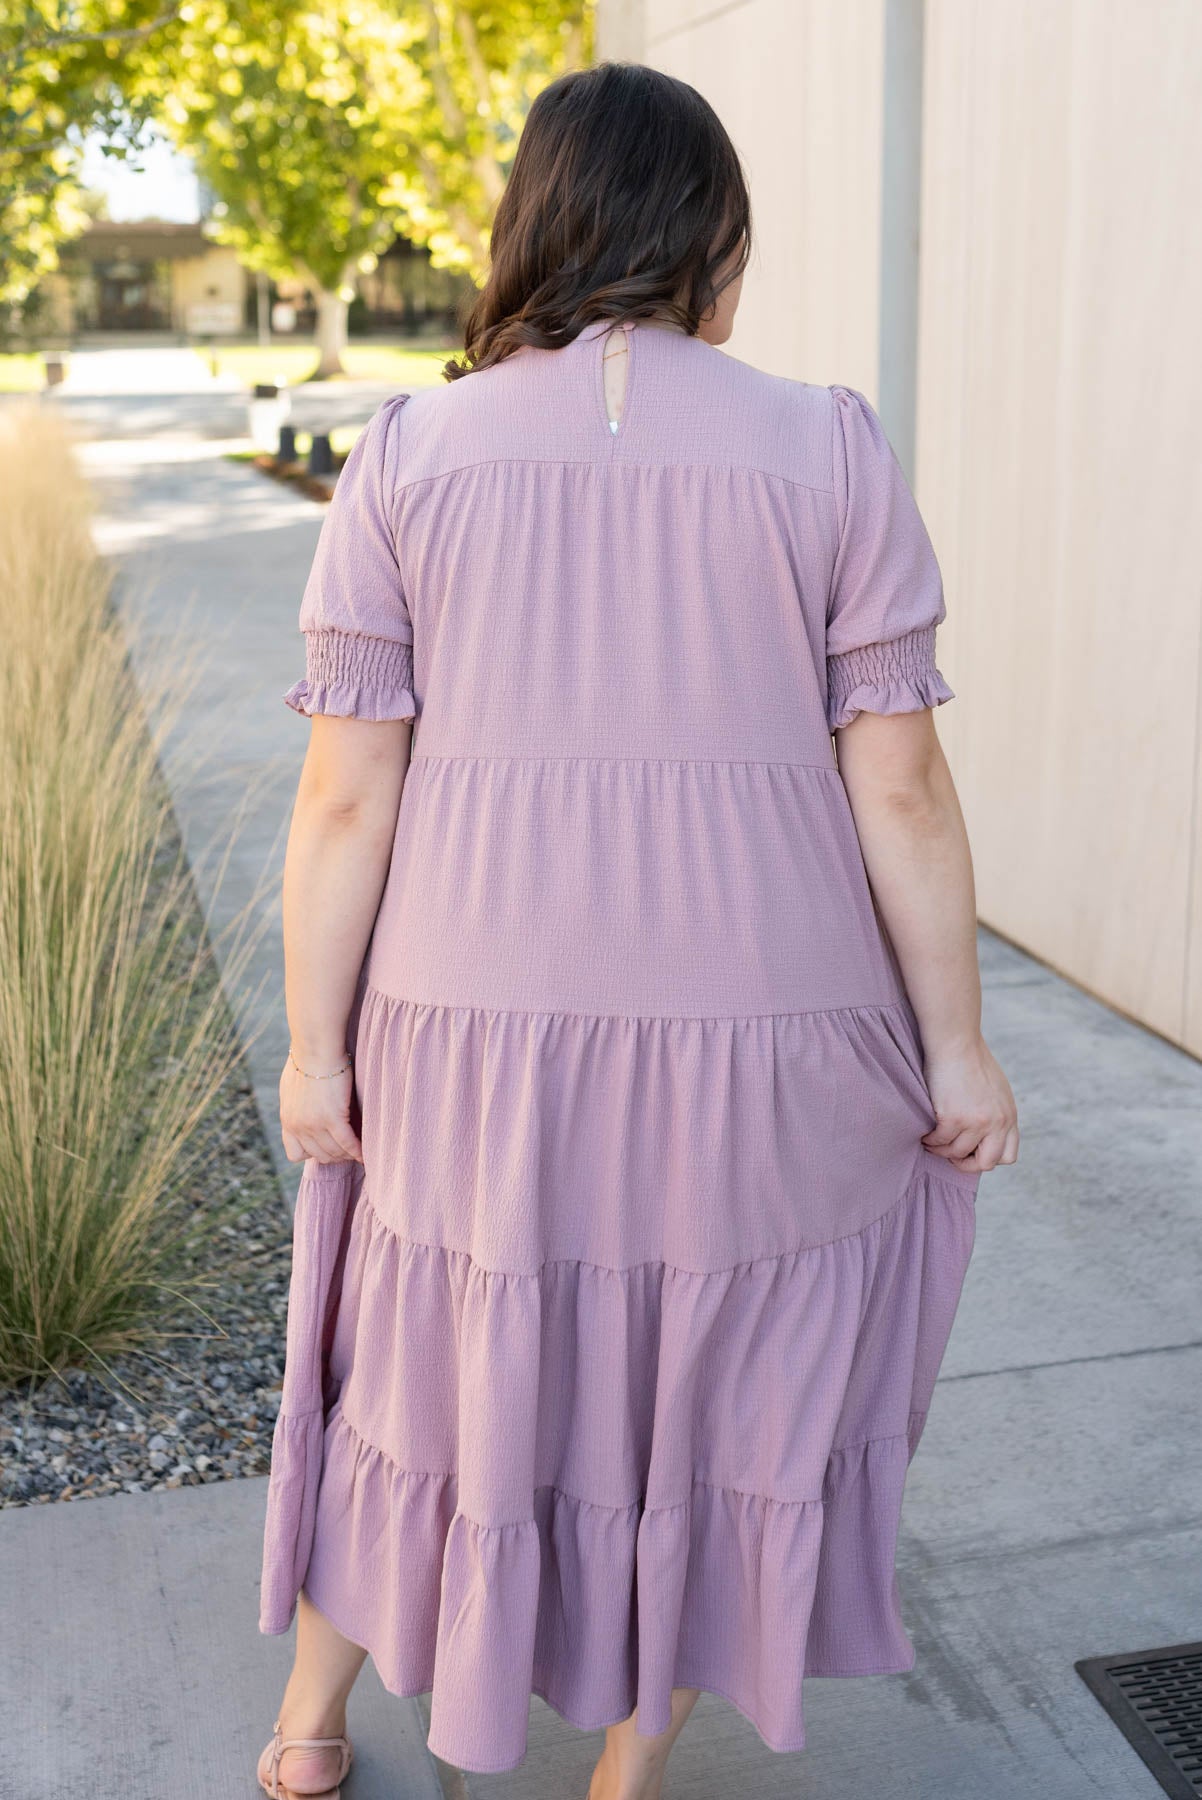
x,y
561,1708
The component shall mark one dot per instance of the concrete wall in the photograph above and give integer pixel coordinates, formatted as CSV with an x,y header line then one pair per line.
x,y
797,84
1061,388
986,218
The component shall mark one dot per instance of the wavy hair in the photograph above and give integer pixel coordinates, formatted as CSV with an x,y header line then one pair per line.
x,y
626,199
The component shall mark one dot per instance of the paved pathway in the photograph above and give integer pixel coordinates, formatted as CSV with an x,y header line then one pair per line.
x,y
1052,1510
162,370
138,1672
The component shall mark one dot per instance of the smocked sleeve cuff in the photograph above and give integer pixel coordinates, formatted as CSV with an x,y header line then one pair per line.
x,y
355,677
896,676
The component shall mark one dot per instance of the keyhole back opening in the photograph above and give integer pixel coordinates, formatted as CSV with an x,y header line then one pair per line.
x,y
615,364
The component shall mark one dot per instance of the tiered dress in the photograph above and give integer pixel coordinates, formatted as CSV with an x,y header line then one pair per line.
x,y
605,1368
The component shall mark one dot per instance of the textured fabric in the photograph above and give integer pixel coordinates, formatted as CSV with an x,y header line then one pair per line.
x,y
355,678
892,677
608,1365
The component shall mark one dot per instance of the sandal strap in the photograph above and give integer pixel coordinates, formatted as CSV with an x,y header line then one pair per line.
x,y
342,1744
332,1743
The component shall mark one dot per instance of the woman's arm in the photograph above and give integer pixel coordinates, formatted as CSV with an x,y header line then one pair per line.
x,y
339,847
916,852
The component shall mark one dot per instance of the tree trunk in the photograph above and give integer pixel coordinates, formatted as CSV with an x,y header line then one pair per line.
x,y
331,335
263,307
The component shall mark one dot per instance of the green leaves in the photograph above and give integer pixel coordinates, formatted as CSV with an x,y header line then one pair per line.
x,y
327,127
63,70
323,127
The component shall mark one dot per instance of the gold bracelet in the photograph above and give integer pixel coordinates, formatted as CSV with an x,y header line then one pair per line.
x,y
342,1071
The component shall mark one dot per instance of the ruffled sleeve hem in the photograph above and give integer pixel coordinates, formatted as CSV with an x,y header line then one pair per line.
x,y
895,676
350,676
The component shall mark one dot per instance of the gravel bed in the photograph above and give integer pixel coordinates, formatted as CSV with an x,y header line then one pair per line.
x,y
203,1406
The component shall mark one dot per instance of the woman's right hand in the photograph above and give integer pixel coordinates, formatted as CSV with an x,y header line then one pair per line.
x,y
315,1115
976,1117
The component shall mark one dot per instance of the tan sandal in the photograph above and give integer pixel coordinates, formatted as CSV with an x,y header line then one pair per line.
x,y
277,1748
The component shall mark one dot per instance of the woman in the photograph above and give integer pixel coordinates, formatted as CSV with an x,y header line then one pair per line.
x,y
636,1055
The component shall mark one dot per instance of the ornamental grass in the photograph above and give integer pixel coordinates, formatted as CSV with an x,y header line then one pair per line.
x,y
116,1039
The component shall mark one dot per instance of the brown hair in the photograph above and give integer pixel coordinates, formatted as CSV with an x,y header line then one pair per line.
x,y
626,199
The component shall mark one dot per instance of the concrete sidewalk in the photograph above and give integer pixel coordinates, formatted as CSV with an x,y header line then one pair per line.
x,y
138,1671
1052,1508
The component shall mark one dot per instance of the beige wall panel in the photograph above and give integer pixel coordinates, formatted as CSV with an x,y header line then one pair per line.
x,y
672,18
797,84
620,31
1060,385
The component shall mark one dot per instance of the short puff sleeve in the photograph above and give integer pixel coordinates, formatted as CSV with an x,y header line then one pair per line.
x,y
354,612
886,595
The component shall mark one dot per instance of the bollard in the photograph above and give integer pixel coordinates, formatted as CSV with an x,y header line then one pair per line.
x,y
321,457
287,450
267,409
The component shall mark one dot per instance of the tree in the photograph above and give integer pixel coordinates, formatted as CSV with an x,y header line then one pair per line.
x,y
264,98
63,71
323,129
483,64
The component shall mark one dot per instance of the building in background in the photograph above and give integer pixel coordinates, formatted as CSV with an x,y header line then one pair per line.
x,y
985,218
159,276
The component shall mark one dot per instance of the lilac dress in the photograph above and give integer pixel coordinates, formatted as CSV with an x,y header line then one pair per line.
x,y
605,1369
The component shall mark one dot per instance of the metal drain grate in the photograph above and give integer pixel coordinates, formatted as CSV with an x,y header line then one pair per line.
x,y
1155,1699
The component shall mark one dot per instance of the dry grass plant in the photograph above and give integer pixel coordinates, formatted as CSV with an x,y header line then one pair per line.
x,y
116,1038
